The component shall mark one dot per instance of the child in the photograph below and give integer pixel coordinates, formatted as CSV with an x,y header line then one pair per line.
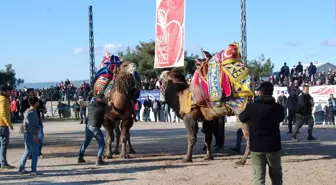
x,y
31,141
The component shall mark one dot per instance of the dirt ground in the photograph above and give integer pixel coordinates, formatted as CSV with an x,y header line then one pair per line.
x,y
160,148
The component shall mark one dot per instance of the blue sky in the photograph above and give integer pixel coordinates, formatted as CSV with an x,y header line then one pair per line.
x,y
48,40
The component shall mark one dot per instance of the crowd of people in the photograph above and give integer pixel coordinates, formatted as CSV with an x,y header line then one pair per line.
x,y
150,84
302,75
62,92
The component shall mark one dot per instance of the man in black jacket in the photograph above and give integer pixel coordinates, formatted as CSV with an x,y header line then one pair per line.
x,y
92,130
263,118
291,106
282,100
304,111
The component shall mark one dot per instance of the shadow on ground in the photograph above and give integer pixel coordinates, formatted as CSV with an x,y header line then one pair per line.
x,y
168,142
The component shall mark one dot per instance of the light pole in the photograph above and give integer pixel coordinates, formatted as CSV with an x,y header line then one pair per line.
x,y
243,30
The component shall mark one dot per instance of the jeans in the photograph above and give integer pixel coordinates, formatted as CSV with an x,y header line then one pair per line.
x,y
4,142
156,115
30,148
82,115
40,138
90,133
259,161
137,114
13,117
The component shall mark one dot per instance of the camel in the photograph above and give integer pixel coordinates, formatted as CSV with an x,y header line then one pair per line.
x,y
121,98
115,127
178,94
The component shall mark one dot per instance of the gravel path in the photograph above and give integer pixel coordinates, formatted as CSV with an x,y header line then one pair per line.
x,y
160,148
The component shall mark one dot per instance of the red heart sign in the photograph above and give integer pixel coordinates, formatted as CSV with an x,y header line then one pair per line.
x,y
169,45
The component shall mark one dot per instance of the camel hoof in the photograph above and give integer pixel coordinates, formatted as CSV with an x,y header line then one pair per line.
x,y
132,151
116,152
240,163
124,156
208,157
187,160
108,156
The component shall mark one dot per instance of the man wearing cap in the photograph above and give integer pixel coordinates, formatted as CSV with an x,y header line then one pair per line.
x,y
96,111
5,124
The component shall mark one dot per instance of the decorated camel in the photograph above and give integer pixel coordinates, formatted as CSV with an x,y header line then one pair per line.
x,y
121,84
220,86
121,99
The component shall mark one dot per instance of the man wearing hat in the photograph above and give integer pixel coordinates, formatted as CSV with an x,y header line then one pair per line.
x,y
5,124
96,111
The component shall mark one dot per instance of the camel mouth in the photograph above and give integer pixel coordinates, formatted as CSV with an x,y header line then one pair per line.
x,y
132,68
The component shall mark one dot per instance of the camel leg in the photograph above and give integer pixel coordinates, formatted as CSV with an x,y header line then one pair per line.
x,y
246,133
125,127
208,130
109,139
130,148
192,127
117,132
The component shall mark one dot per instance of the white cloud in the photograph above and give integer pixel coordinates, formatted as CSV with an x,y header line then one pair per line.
x,y
329,43
112,48
292,43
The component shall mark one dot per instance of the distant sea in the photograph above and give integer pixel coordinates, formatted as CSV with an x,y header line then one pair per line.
x,y
40,85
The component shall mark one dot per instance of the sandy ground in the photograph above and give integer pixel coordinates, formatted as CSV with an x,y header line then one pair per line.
x,y
160,147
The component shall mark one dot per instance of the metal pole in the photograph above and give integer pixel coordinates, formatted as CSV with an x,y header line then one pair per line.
x,y
91,47
243,30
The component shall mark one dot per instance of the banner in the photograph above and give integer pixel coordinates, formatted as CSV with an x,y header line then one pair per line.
x,y
152,94
169,36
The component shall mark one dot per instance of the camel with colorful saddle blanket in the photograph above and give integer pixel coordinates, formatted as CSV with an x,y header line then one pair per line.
x,y
221,79
221,86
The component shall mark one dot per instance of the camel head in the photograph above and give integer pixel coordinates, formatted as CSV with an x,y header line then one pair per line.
x,y
127,67
174,76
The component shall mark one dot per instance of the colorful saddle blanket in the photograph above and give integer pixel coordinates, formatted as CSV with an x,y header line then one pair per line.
x,y
104,78
227,75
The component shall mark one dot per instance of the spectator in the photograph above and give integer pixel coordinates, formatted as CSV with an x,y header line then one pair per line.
x,y
284,70
312,71
14,110
31,140
147,105
299,68
137,108
156,107
291,106
5,124
282,100
304,111
332,104
83,105
76,109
